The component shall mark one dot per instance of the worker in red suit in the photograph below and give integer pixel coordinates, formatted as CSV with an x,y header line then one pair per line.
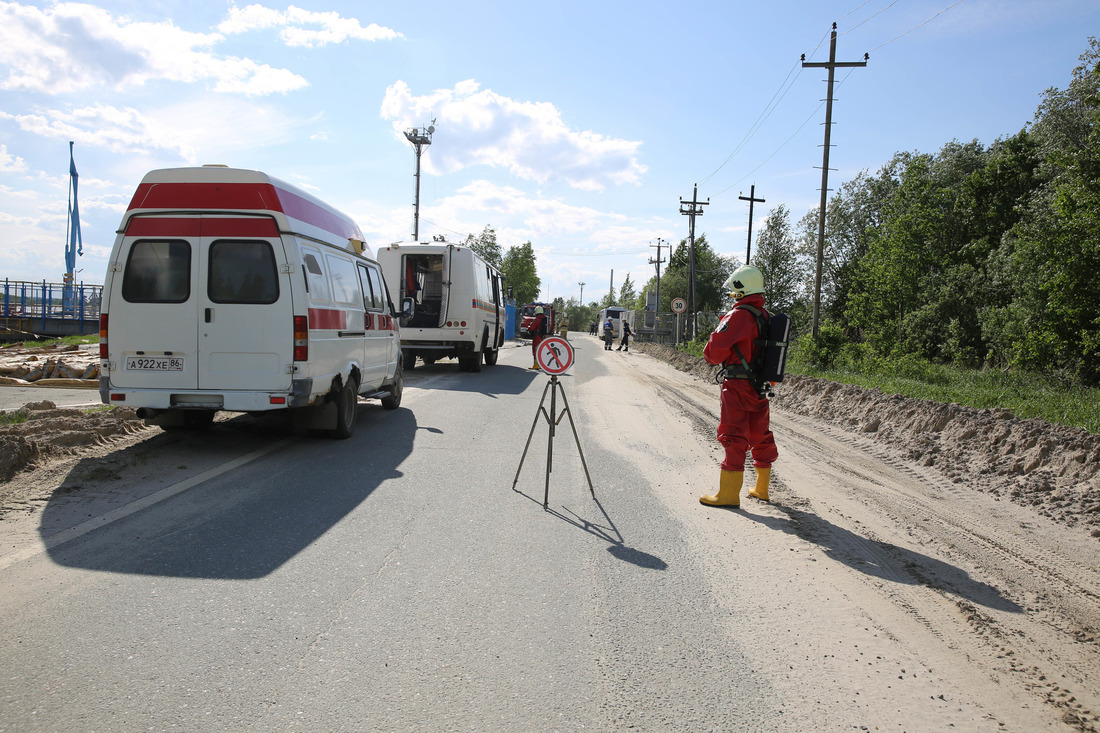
x,y
538,330
744,425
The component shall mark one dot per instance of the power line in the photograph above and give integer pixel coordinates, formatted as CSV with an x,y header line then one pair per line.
x,y
770,108
959,2
760,120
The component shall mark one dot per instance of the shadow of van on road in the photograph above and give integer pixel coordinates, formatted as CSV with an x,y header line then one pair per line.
x,y
491,381
883,559
246,522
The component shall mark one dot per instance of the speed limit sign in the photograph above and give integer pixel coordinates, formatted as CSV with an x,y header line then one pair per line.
x,y
679,305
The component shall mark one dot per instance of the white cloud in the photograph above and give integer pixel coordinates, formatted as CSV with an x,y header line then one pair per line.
x,y
530,139
11,163
303,27
72,46
171,129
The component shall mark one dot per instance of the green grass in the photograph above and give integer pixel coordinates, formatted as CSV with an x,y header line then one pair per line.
x,y
13,418
1025,394
65,340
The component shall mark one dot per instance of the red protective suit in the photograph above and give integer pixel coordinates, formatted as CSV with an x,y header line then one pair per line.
x,y
538,330
745,421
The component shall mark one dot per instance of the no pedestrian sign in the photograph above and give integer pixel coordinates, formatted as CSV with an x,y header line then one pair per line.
x,y
554,355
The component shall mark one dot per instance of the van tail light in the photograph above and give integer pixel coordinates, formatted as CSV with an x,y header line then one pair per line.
x,y
103,336
301,338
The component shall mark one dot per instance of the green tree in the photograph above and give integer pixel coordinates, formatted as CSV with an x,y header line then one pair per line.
x,y
1051,258
628,294
486,246
777,257
711,272
520,273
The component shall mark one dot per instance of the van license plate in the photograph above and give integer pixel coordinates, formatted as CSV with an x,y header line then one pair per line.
x,y
154,364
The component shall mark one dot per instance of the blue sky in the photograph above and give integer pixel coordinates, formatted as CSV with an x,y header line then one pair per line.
x,y
576,125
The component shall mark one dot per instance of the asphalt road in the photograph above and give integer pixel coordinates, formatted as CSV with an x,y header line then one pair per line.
x,y
392,581
12,398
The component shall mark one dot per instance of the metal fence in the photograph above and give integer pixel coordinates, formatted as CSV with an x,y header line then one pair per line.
x,y
672,328
46,300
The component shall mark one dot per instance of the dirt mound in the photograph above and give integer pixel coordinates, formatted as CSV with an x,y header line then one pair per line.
x,y
48,432
1053,468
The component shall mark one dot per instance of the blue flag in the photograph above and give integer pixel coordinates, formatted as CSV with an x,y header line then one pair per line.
x,y
75,245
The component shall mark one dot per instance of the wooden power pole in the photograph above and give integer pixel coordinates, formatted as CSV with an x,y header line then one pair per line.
x,y
694,209
832,64
752,200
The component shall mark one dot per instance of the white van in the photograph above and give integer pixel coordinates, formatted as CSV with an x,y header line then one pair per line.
x,y
617,316
228,289
459,302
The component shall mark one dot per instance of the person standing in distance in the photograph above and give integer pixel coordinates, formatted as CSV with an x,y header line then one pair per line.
x,y
538,330
624,342
608,334
745,422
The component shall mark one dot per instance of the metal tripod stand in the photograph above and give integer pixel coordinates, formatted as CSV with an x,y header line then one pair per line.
x,y
553,418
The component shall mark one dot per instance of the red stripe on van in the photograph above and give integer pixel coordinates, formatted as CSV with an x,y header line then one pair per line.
x,y
309,212
206,196
195,227
242,197
322,318
163,227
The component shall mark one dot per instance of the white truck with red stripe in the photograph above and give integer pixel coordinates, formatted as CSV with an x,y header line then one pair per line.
x,y
459,302
231,290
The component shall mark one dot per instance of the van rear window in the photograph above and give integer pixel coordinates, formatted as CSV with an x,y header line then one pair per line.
x,y
158,271
242,272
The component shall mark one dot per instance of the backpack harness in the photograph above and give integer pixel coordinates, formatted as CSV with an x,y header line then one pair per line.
x,y
765,340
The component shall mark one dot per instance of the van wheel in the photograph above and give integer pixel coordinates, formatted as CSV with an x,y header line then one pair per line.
x,y
347,410
408,358
470,363
393,401
491,357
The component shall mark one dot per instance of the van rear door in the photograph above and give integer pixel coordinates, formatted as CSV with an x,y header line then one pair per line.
x,y
245,310
154,334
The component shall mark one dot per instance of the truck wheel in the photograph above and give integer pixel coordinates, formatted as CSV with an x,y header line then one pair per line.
x,y
393,401
409,359
347,410
491,357
470,363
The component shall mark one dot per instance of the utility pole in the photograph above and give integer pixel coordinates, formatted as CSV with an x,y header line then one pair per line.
x,y
420,138
611,288
752,200
832,64
582,294
658,262
694,209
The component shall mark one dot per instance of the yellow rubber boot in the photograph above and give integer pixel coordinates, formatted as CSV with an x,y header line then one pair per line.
x,y
729,490
534,366
763,478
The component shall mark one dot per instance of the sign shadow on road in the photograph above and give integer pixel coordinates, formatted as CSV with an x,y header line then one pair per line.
x,y
607,532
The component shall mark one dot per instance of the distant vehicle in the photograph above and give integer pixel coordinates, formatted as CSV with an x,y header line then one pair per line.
x,y
526,318
228,289
459,303
617,316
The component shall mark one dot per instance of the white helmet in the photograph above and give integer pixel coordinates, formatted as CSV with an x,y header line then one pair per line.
x,y
745,280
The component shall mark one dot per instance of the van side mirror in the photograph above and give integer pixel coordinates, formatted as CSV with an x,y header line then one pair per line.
x,y
408,307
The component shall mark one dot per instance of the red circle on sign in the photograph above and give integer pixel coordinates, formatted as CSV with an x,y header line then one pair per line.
x,y
679,305
554,355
